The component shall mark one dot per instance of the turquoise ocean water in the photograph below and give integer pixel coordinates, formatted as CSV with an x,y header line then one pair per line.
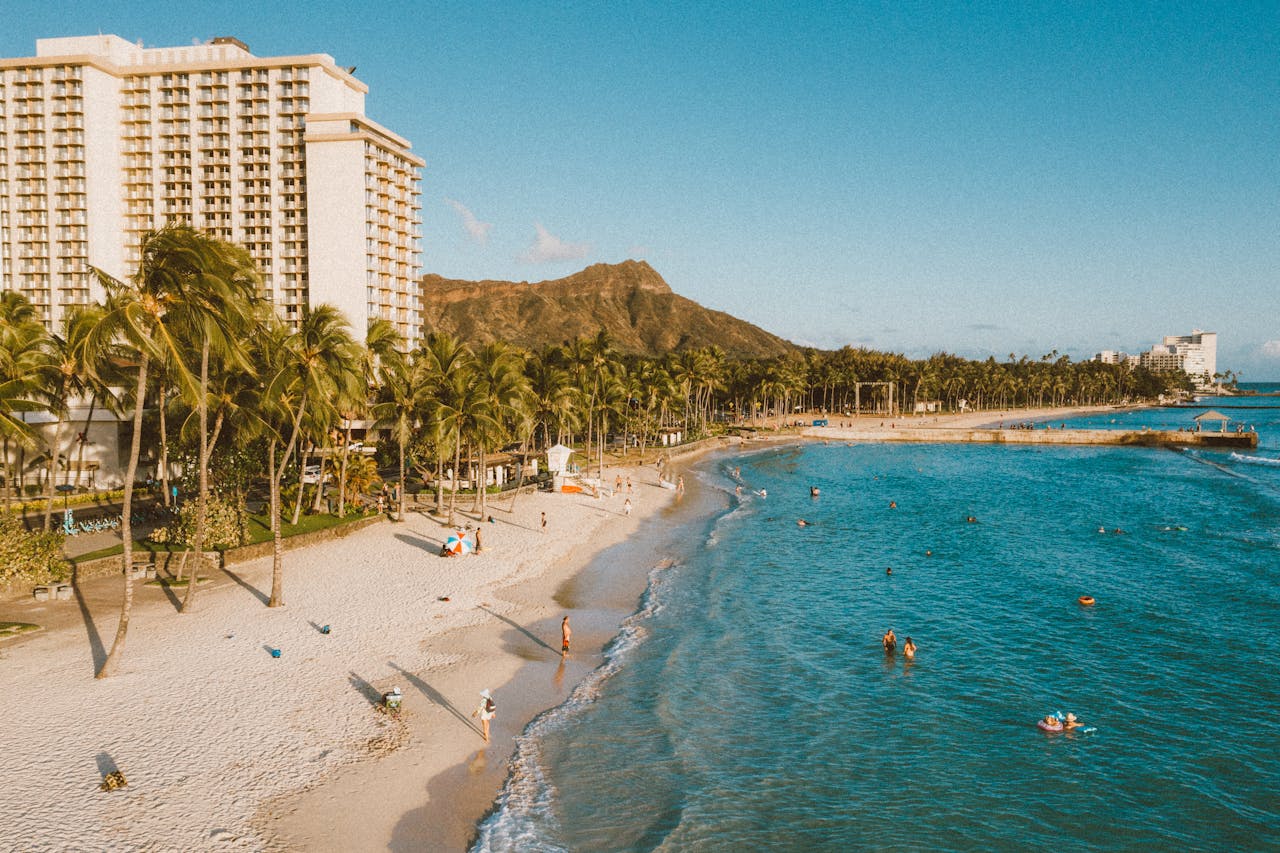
x,y
748,704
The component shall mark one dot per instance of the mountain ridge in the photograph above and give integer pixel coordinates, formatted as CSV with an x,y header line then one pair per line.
x,y
637,307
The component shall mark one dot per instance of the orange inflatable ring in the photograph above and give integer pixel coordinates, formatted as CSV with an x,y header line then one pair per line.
x,y
1086,600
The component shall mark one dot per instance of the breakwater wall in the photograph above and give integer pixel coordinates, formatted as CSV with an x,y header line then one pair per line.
x,y
1103,437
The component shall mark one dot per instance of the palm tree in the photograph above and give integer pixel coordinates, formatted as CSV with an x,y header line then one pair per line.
x,y
215,315
395,409
500,393
442,385
381,343
137,314
553,397
304,368
23,355
70,361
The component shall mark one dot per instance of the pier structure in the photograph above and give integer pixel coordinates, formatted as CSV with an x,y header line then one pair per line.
x,y
1102,437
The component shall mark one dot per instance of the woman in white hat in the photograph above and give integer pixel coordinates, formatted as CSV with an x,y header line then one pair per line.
x,y
485,710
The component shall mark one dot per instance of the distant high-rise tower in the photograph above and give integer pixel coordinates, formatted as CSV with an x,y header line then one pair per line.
x,y
1199,351
102,140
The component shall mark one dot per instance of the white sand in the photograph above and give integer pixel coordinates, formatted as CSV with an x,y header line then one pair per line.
x,y
208,728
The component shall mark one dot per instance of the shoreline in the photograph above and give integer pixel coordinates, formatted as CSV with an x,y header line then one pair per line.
x,y
214,734
433,793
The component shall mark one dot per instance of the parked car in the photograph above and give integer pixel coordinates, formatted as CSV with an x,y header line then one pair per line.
x,y
311,474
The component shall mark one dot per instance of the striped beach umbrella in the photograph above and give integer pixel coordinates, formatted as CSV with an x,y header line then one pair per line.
x,y
457,543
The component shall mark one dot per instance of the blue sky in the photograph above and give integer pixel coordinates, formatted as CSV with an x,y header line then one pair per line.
x,y
977,178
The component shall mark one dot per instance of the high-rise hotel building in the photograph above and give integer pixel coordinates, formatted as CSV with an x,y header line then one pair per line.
x,y
102,140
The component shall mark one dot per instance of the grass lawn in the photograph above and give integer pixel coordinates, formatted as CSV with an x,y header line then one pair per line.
x,y
260,525
259,531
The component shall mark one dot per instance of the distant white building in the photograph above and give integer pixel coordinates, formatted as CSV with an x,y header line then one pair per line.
x,y
1195,354
1199,351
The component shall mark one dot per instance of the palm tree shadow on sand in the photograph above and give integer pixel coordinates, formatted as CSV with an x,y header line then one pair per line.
x,y
520,628
436,697
428,545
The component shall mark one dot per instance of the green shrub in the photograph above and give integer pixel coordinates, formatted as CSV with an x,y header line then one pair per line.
x,y
30,556
226,526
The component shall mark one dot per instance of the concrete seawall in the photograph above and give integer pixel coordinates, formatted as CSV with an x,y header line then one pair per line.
x,y
960,435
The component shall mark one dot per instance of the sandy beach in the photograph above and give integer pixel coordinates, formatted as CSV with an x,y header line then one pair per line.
x,y
217,738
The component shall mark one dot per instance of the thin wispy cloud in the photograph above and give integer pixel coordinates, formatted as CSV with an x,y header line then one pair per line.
x,y
478,231
548,248
983,327
1271,349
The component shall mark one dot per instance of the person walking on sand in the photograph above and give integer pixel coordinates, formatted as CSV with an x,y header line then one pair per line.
x,y
543,528
626,507
679,485
485,711
566,633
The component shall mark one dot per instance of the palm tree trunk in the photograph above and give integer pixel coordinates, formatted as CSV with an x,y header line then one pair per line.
x,y
202,496
276,474
302,467
482,482
342,474
164,445
8,477
277,543
439,484
112,663
315,505
457,463
53,471
93,402
400,494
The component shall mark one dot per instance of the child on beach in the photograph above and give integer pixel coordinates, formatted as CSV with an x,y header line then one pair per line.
x,y
566,633
626,507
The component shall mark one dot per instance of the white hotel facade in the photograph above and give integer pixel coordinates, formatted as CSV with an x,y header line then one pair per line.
x,y
102,140
1195,354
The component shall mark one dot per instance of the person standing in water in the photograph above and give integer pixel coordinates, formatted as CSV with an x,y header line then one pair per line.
x,y
890,642
566,633
485,711
909,649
